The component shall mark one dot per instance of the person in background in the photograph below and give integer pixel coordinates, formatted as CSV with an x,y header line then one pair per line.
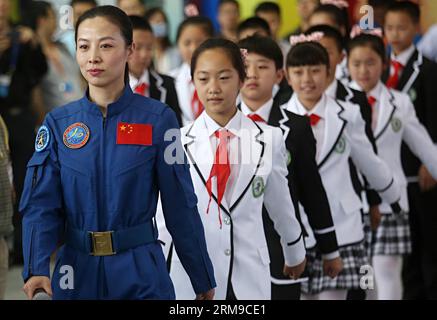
x,y
252,26
132,7
166,56
304,9
142,78
62,83
271,12
428,43
67,36
22,66
228,18
6,205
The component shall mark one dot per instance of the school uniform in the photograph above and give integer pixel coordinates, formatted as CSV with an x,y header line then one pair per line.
x,y
339,132
338,90
395,121
159,87
189,102
236,242
417,78
306,188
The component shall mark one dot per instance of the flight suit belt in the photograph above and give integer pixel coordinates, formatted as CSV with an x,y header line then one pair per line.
x,y
108,243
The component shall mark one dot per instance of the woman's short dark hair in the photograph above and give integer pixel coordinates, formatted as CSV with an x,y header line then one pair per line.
x,y
230,49
115,16
202,22
307,54
370,41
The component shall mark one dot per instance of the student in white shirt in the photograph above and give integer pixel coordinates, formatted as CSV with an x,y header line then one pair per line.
x,y
394,121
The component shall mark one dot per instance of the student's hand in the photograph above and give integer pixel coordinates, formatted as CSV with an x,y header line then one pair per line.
x,y
37,282
27,35
426,181
375,217
294,272
332,267
209,295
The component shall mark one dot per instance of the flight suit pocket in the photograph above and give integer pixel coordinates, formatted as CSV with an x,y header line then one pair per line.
x,y
35,169
264,255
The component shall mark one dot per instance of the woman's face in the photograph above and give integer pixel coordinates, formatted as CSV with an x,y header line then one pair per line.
x,y
191,37
217,82
308,82
365,67
101,52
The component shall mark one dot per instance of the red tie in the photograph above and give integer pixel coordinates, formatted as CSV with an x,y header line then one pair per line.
x,y
220,169
256,117
196,105
314,119
141,88
393,81
371,100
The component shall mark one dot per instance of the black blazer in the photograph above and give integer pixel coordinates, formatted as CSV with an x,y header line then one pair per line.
x,y
418,80
360,98
162,88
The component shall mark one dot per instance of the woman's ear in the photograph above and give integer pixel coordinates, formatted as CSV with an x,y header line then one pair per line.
x,y
130,50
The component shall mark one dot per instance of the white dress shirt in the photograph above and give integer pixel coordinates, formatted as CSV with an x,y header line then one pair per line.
x,y
402,58
234,154
263,111
318,129
331,91
133,81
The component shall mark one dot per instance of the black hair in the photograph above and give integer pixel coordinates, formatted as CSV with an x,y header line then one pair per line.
x,y
115,16
307,54
408,7
370,41
329,32
37,10
264,46
268,6
139,23
149,14
380,3
234,2
229,47
253,23
339,15
91,2
199,21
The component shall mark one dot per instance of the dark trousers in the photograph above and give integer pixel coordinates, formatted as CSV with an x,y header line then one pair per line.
x,y
419,272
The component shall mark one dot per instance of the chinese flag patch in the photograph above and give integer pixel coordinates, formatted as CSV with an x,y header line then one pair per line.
x,y
134,133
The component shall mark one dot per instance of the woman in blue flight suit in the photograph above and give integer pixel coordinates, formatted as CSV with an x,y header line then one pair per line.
x,y
93,184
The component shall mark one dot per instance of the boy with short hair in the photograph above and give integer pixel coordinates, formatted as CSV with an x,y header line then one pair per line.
x,y
415,75
142,78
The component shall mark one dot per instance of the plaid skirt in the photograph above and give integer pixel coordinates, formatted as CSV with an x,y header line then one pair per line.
x,y
393,236
354,256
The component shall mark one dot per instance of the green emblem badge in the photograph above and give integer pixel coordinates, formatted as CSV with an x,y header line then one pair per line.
x,y
396,124
341,145
258,187
288,158
413,94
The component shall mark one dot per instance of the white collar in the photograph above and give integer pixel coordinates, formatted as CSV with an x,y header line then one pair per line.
x,y
319,109
133,81
263,111
376,91
331,91
404,56
234,125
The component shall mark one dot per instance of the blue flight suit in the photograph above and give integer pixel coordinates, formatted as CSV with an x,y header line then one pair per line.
x,y
105,186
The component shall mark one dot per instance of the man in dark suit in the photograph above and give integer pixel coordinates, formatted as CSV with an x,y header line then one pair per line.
x,y
143,79
265,62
